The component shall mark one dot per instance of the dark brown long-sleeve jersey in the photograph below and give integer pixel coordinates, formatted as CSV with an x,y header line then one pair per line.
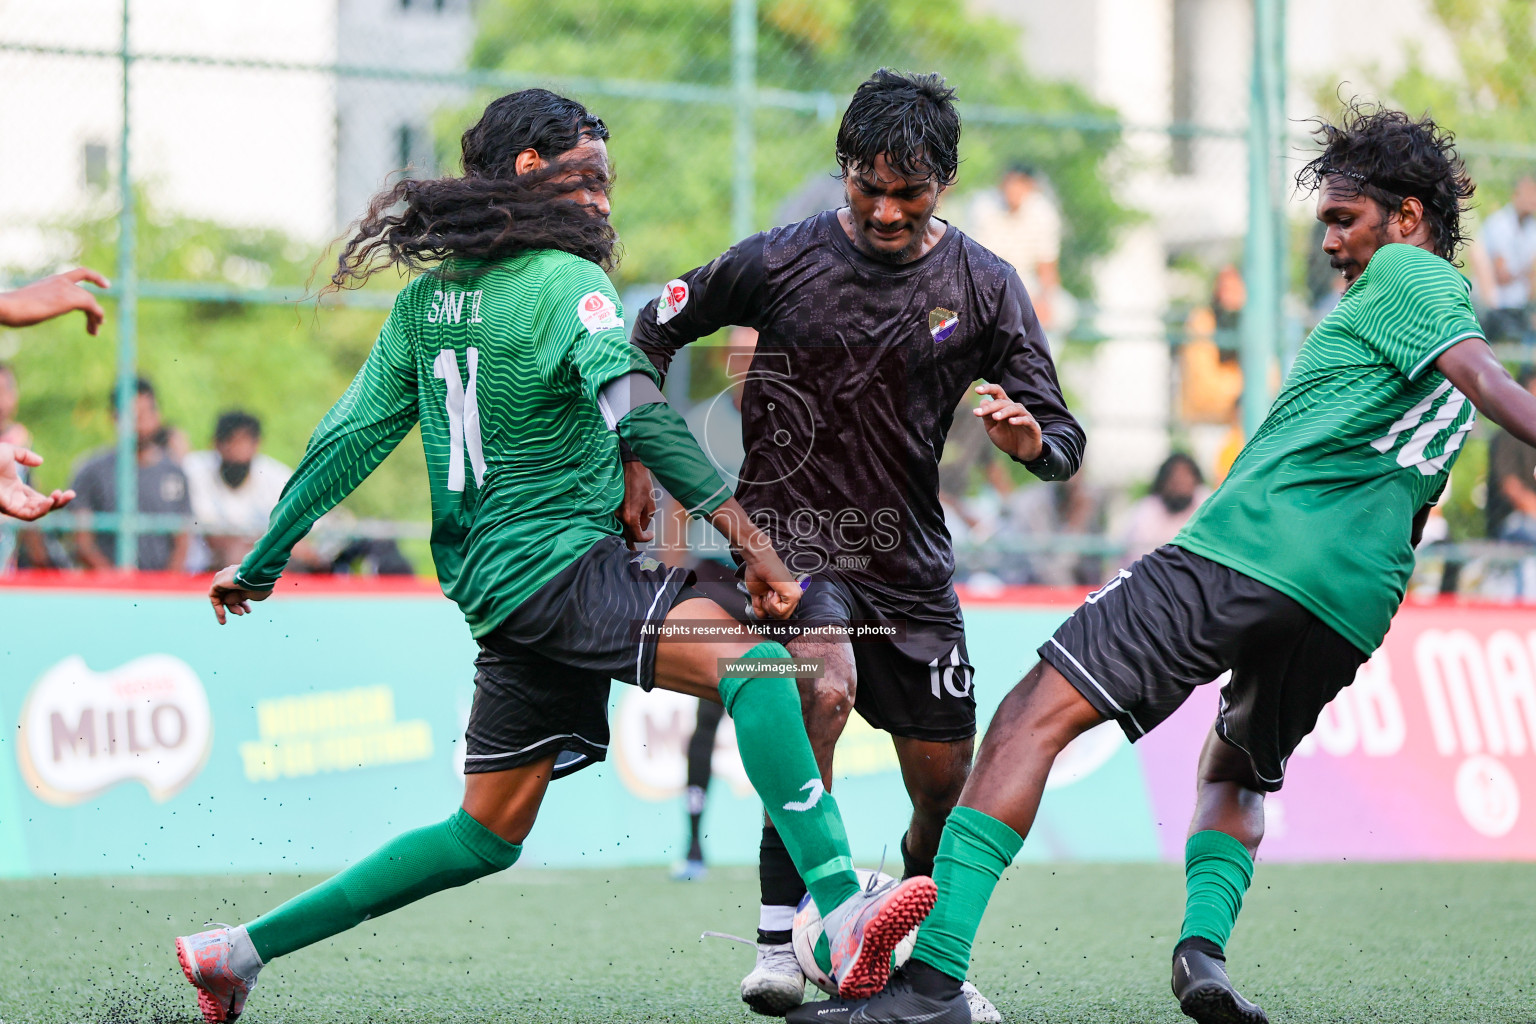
x,y
858,371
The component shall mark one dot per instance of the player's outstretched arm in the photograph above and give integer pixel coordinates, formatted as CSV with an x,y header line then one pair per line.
x,y
359,432
54,296
16,498
1477,373
728,291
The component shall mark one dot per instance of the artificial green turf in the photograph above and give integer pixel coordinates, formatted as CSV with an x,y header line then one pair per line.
x,y
1063,943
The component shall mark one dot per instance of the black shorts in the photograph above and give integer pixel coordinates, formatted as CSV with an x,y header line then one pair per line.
x,y
918,685
1176,620
542,677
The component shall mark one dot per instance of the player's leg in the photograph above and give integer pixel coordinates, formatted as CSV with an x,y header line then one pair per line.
x,y
934,774
775,983
985,831
1224,836
700,753
862,928
481,838
1289,667
1133,653
525,709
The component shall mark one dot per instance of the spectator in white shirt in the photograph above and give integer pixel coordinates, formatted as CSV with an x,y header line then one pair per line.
x,y
1020,223
234,487
1504,264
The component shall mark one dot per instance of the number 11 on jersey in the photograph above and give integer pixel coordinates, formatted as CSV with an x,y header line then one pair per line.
x,y
463,416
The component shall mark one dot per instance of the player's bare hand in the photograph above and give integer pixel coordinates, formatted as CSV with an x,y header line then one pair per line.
x,y
775,594
227,596
639,505
16,498
1010,426
54,296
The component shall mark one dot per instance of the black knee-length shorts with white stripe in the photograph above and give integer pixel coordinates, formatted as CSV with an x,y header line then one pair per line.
x,y
1176,620
543,675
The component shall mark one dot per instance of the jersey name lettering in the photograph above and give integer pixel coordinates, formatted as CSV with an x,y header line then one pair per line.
x,y
448,306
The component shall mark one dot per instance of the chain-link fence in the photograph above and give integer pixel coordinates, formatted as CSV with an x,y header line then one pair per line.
x,y
205,156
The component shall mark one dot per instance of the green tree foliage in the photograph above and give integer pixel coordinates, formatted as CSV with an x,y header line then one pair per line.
x,y
1490,99
286,364
675,160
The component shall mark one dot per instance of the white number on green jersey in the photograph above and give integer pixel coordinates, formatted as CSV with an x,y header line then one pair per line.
x,y
1428,430
463,416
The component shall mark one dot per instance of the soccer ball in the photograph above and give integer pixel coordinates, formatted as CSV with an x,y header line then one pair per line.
x,y
807,932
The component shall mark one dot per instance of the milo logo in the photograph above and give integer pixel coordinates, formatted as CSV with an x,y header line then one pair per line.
x,y
83,732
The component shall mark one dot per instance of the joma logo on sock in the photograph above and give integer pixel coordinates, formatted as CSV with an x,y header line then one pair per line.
x,y
816,789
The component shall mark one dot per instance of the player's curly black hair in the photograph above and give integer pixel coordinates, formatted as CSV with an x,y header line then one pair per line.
x,y
491,212
1387,156
909,118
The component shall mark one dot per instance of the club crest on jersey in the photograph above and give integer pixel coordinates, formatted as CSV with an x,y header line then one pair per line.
x,y
942,323
673,298
597,312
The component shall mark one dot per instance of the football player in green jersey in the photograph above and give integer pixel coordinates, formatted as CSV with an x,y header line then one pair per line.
x,y
509,350
1287,577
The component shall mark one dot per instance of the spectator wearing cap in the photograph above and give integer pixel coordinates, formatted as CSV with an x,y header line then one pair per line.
x,y
162,491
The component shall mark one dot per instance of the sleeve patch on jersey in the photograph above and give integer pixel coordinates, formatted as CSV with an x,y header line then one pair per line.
x,y
673,298
597,312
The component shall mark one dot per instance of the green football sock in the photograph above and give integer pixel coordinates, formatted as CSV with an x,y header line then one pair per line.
x,y
770,735
403,870
1217,871
974,851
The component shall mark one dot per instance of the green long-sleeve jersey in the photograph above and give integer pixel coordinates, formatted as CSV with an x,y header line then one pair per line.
x,y
502,363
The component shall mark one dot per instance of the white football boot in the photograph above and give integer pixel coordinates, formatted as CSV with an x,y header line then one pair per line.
x,y
776,984
982,1010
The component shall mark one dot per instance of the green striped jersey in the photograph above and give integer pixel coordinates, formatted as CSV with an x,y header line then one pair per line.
x,y
501,362
1320,502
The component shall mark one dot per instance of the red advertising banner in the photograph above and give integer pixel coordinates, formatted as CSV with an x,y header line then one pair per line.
x,y
1430,755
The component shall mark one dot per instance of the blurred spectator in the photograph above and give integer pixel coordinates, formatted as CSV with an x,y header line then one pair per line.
x,y
1212,375
1177,490
1211,372
233,488
1020,223
28,305
1504,262
1511,505
1069,508
26,548
162,490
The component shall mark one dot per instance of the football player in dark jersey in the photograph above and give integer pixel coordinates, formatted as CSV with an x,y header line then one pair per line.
x,y
875,320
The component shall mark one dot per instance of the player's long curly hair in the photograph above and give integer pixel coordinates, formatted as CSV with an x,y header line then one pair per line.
x,y
492,212
910,119
1387,156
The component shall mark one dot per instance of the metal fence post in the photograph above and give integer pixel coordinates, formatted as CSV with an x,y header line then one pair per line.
x,y
127,338
744,76
1264,265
